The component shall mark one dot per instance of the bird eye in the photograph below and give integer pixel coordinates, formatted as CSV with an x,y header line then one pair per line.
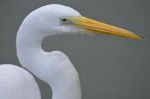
x,y
63,19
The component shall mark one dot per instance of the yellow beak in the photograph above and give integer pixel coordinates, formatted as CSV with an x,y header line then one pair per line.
x,y
101,28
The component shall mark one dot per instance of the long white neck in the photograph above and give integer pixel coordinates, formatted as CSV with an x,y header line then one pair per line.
x,y
53,67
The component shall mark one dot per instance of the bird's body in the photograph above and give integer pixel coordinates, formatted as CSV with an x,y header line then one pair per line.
x,y
17,83
54,68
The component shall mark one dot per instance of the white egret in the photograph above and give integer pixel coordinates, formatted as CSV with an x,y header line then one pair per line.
x,y
54,67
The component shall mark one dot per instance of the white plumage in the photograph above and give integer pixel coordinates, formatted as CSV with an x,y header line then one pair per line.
x,y
51,67
54,67
17,83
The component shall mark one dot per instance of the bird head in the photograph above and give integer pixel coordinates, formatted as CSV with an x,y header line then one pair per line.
x,y
60,19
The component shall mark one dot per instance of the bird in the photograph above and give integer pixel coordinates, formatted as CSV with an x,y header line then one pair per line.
x,y
54,67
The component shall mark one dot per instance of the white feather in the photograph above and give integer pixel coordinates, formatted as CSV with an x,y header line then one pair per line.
x,y
54,67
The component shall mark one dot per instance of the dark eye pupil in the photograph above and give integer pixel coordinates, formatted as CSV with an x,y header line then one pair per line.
x,y
64,19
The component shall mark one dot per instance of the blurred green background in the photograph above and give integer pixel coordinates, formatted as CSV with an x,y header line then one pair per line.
x,y
109,67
